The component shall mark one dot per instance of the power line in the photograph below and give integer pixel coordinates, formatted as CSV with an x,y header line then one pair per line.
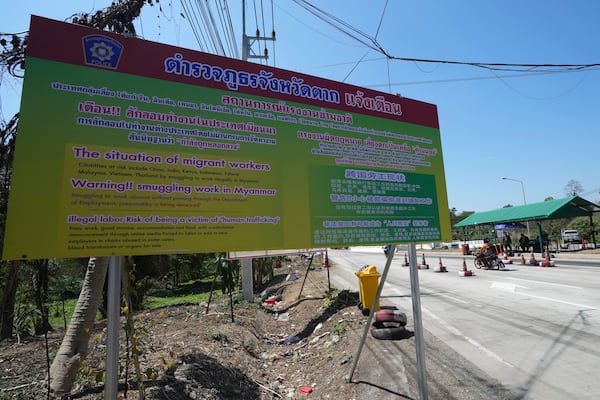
x,y
372,43
478,78
193,21
273,29
225,18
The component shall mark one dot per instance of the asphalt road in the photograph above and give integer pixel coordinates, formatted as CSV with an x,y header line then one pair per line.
x,y
534,329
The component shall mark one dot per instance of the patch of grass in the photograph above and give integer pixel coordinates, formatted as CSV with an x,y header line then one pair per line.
x,y
153,302
250,347
55,313
494,383
339,328
192,292
185,288
195,292
219,336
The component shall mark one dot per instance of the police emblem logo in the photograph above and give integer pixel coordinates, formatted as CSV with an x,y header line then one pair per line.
x,y
102,51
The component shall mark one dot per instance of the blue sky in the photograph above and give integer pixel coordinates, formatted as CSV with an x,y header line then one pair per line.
x,y
540,129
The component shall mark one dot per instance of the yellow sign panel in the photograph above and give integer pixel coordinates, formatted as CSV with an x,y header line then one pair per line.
x,y
178,151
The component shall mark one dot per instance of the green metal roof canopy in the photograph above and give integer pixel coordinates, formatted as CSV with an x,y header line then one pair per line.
x,y
569,207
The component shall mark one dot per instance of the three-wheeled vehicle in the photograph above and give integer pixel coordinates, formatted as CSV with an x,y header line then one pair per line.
x,y
487,257
489,262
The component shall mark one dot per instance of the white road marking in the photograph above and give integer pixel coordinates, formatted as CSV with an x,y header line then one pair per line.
x,y
546,283
510,287
583,306
456,332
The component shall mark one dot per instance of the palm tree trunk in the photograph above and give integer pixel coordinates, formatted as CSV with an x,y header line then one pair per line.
x,y
8,301
74,347
40,281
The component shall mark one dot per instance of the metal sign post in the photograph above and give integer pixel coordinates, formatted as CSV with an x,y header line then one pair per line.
x,y
112,330
417,321
390,256
247,280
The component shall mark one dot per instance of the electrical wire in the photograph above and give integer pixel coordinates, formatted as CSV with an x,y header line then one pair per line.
x,y
193,21
273,31
509,67
226,26
564,93
262,15
231,32
206,28
371,42
381,19
212,25
354,67
218,43
311,27
257,30
328,18
479,78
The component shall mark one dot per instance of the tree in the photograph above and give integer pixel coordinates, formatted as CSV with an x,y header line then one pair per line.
x,y
7,147
8,300
39,282
573,188
464,233
74,346
12,56
118,17
582,225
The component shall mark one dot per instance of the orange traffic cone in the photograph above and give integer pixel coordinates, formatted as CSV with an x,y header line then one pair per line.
x,y
532,260
464,271
424,265
440,267
547,262
406,264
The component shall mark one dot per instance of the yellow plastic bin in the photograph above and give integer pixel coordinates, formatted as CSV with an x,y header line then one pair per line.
x,y
368,282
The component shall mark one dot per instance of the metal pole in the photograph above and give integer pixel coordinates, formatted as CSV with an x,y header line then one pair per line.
x,y
593,229
418,321
244,37
306,274
524,200
247,280
372,310
327,266
112,331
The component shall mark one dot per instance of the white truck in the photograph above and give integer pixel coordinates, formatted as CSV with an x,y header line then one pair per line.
x,y
570,236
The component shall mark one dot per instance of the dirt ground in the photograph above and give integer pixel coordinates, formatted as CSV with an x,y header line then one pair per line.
x,y
303,346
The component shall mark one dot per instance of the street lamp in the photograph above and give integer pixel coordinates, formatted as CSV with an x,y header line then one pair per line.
x,y
524,201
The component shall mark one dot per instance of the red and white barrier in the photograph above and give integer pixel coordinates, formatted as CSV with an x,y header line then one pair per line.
x,y
423,264
532,260
440,267
464,271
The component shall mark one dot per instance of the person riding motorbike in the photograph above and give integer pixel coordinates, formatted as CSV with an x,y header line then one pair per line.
x,y
486,250
487,256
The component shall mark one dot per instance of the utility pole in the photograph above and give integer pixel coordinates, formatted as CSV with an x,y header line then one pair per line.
x,y
248,41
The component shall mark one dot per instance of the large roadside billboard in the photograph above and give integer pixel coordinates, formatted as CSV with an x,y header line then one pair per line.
x,y
130,147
